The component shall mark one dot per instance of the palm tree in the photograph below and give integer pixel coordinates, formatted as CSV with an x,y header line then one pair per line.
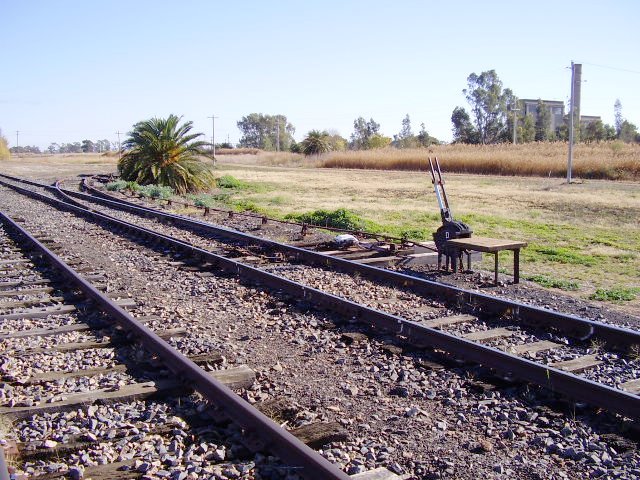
x,y
317,142
161,151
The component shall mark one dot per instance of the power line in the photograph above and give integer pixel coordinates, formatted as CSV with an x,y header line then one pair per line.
x,y
612,68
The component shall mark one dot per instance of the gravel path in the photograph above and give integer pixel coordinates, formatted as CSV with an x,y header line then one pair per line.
x,y
400,414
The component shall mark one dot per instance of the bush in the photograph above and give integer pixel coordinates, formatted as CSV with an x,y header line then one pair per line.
x,y
615,294
133,187
157,191
228,181
203,200
340,218
554,282
116,186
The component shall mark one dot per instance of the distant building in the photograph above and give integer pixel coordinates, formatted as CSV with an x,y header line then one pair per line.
x,y
556,112
555,108
587,119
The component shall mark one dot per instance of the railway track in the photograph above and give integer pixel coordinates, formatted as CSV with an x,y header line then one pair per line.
x,y
423,332
62,350
470,343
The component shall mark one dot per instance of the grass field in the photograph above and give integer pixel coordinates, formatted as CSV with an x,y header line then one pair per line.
x,y
584,238
605,160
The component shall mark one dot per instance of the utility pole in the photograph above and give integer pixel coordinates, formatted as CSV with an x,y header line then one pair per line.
x,y
18,143
213,137
515,122
277,134
119,146
574,110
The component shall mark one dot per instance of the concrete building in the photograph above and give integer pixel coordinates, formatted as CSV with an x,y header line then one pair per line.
x,y
555,108
529,106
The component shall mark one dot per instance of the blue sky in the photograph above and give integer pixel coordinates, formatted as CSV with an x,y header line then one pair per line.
x,y
86,69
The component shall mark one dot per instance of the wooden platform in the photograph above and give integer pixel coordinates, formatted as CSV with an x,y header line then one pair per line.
x,y
489,245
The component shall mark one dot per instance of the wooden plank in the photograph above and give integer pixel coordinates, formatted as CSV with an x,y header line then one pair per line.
x,y
14,261
486,244
109,471
358,254
534,347
73,327
213,357
237,377
39,313
45,332
21,283
487,335
375,260
25,291
451,320
578,364
117,342
632,386
320,433
30,303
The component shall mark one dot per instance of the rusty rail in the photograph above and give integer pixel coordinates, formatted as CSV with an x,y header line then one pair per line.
x,y
556,380
303,459
582,328
264,219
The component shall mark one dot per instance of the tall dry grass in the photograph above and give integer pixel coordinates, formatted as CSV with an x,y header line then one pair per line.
x,y
605,160
237,151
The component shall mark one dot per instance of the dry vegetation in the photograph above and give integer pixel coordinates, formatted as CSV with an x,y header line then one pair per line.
x,y
238,151
605,160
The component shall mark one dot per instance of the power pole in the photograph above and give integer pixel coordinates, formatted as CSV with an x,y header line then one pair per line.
x,y
119,146
574,110
213,137
18,143
277,134
515,122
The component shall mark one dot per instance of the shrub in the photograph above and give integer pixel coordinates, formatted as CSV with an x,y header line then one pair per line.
x,y
340,218
133,187
228,181
116,186
554,282
203,200
615,294
157,191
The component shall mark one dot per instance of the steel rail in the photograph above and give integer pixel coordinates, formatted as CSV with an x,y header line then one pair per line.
x,y
4,468
556,380
581,328
304,460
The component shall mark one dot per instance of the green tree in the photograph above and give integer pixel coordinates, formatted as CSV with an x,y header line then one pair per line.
x,y
161,151
315,143
363,131
489,102
337,142
266,132
594,132
543,123
88,146
378,141
406,138
5,154
527,129
463,129
424,139
628,132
